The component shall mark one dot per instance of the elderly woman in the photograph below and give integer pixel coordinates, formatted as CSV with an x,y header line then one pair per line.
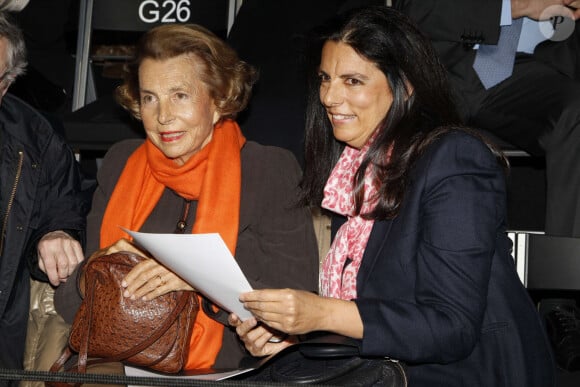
x,y
420,267
196,173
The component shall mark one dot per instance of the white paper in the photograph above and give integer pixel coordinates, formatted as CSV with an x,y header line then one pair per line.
x,y
197,375
202,260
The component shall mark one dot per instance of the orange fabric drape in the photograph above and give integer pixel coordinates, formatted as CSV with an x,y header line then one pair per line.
x,y
213,178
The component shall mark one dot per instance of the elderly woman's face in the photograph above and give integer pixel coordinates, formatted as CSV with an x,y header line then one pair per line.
x,y
354,92
177,111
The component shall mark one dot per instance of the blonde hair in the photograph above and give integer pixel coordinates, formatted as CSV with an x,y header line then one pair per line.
x,y
228,78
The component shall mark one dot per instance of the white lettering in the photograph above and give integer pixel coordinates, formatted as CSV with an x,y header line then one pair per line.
x,y
183,11
167,17
169,12
151,12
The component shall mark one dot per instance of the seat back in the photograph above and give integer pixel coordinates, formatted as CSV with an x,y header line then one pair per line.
x,y
547,262
137,16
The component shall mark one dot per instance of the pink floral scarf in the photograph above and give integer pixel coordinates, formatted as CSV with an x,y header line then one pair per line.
x,y
338,280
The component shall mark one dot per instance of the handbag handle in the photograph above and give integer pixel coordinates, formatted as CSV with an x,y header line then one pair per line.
x,y
329,345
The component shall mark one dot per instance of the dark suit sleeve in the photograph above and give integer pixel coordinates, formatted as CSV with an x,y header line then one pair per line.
x,y
61,205
466,21
459,194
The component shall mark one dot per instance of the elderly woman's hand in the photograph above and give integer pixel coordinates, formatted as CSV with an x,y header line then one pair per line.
x,y
147,280
260,340
121,245
150,279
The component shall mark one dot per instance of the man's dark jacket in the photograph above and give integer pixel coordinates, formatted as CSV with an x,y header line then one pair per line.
x,y
40,191
455,27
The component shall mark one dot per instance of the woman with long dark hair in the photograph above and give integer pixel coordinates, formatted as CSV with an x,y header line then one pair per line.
x,y
420,268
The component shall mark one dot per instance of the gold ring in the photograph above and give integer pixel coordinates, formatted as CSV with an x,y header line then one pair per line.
x,y
278,338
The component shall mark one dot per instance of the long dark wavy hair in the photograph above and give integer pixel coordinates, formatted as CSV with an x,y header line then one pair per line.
x,y
418,115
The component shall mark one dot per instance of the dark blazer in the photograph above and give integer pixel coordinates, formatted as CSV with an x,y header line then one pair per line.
x,y
40,192
438,288
454,27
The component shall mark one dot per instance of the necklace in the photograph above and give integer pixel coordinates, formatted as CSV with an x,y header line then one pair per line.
x,y
182,222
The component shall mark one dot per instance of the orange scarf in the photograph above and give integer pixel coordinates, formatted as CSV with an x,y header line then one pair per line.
x,y
212,177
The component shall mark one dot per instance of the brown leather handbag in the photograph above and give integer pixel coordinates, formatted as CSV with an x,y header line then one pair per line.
x,y
109,327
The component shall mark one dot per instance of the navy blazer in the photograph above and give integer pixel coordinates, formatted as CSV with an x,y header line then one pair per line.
x,y
438,287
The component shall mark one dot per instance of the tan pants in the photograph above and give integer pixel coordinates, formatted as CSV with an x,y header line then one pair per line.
x,y
322,230
48,334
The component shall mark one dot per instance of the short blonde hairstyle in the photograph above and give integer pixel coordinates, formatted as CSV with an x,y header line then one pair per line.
x,y
229,79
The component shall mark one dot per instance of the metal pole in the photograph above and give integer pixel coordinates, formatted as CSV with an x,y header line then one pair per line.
x,y
82,54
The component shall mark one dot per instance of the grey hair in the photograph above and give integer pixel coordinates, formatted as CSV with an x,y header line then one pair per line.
x,y
15,49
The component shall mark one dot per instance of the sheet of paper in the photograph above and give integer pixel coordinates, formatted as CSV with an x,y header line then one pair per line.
x,y
204,261
213,375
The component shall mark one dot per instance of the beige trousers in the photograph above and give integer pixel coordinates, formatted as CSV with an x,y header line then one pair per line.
x,y
47,336
47,333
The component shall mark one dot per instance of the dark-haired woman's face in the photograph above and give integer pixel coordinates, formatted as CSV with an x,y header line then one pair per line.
x,y
354,92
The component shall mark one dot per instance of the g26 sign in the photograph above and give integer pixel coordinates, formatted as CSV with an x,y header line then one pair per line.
x,y
164,11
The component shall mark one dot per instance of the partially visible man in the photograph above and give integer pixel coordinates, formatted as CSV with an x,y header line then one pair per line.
x,y
515,68
533,101
42,208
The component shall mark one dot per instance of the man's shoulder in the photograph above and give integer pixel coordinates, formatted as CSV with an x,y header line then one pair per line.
x,y
23,123
15,110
